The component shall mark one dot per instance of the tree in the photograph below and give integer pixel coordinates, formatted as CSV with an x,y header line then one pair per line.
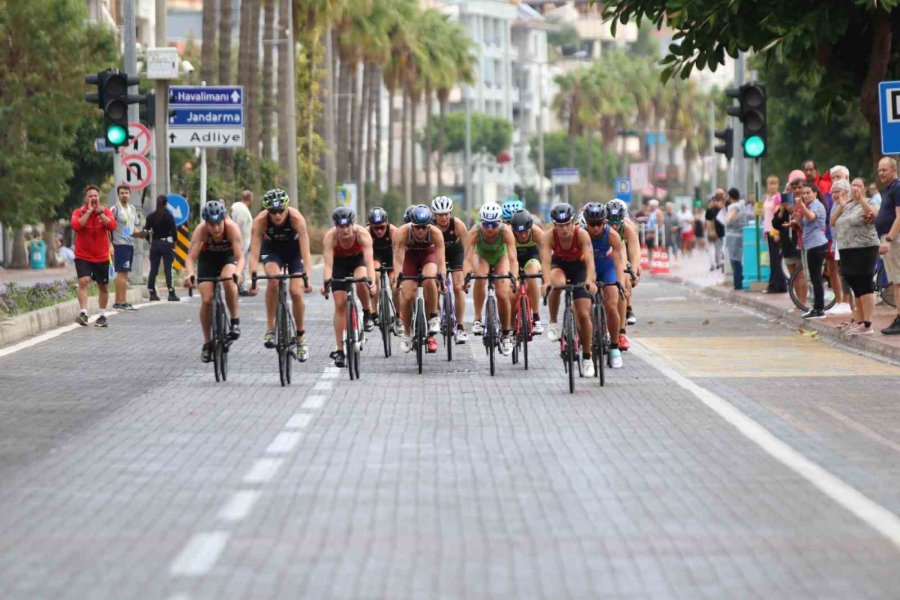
x,y
208,56
849,41
268,77
223,77
557,148
494,134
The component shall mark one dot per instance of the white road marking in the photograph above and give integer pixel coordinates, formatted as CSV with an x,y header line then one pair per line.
x,y
331,370
298,421
263,470
867,510
314,402
180,597
200,554
323,385
670,299
37,339
239,506
330,375
284,442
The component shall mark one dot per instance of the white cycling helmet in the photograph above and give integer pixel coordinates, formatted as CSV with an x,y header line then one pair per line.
x,y
490,212
442,205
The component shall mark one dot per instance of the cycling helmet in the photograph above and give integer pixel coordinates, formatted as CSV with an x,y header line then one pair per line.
x,y
276,199
407,215
511,207
616,211
343,215
521,221
594,211
581,222
378,216
213,212
441,205
562,212
491,211
421,215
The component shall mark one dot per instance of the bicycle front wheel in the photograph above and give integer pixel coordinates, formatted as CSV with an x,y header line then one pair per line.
x,y
795,288
420,333
884,287
492,333
218,340
569,358
385,320
448,323
525,330
350,339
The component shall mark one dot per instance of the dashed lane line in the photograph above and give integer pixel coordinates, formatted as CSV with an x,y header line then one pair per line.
x,y
312,402
239,506
262,470
200,554
284,442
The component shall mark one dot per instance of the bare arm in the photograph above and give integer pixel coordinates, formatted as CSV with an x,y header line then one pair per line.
x,y
256,233
439,248
546,255
237,246
618,251
300,226
399,242
587,250
194,250
328,255
510,240
365,239
470,238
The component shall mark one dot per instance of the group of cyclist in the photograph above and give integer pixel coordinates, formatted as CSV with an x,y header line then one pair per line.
x,y
600,249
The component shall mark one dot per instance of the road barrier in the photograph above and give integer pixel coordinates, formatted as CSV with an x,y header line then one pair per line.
x,y
182,243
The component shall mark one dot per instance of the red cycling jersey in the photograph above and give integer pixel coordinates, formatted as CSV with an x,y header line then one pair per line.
x,y
355,249
572,254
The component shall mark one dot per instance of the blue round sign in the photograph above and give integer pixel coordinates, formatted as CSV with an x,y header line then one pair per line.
x,y
179,207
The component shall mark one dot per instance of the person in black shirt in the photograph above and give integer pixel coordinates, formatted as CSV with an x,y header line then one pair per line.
x,y
715,230
160,225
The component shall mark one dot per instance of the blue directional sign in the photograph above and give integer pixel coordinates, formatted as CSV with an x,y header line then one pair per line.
x,y
179,207
623,189
889,104
210,95
206,117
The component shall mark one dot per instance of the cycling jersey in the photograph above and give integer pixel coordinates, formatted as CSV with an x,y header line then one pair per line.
x,y
280,234
453,248
346,260
418,253
528,250
571,262
280,245
604,263
382,247
353,250
491,252
572,254
214,256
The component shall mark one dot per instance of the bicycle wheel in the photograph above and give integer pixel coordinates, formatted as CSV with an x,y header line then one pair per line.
x,y
884,287
280,344
385,320
350,339
448,325
797,278
491,332
569,334
420,332
525,328
604,349
217,340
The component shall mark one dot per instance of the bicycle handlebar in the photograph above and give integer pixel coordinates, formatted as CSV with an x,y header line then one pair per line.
x,y
254,278
195,280
569,287
420,279
351,280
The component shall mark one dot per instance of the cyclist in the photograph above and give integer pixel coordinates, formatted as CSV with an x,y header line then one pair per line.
x,y
454,232
278,237
617,217
382,232
491,246
347,249
511,207
567,256
609,268
419,247
528,255
217,248
407,214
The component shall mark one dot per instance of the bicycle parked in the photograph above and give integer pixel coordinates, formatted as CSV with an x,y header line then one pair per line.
x,y
800,278
220,339
569,342
492,329
883,285
523,325
418,320
285,339
387,313
448,313
354,334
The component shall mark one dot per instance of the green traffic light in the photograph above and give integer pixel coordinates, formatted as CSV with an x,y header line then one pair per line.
x,y
116,135
754,146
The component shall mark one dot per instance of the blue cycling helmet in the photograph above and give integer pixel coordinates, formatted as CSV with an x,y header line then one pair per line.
x,y
378,216
407,214
421,215
213,212
511,207
594,211
562,213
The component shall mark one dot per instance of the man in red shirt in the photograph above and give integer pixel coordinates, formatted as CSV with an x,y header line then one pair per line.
x,y
92,224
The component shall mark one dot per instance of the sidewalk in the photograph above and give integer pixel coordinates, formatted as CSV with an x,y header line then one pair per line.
x,y
31,276
694,272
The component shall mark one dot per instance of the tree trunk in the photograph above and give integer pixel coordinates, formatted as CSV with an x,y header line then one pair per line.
x,y
590,165
429,146
390,140
268,73
360,149
413,169
50,242
442,133
19,251
284,79
342,122
226,24
404,147
879,59
251,95
371,107
208,49
352,108
571,151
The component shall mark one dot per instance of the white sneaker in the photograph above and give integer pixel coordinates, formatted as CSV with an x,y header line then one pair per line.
x,y
406,343
615,357
553,332
587,367
434,326
841,308
537,328
477,328
506,345
461,337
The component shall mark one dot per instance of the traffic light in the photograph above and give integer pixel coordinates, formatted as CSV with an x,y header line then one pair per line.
x,y
751,111
113,97
727,145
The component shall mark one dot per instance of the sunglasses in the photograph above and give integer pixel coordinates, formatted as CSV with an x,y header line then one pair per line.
x,y
490,224
276,211
420,227
594,223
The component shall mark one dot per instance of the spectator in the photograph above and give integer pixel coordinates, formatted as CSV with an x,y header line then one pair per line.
x,y
841,300
686,223
777,283
715,230
64,254
874,196
784,221
161,229
92,224
887,225
856,237
240,214
127,221
670,227
815,244
811,172
655,224
699,229
735,221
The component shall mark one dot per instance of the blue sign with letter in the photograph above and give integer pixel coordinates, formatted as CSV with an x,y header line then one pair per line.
x,y
179,207
210,95
889,105
206,117
623,189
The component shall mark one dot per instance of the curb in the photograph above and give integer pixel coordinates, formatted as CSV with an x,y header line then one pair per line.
x,y
868,344
38,321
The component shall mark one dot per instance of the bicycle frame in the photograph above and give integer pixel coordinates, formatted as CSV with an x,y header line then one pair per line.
x,y
420,328
218,335
285,343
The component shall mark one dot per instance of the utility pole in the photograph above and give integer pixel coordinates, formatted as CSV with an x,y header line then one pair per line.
x,y
162,98
542,198
129,42
291,100
467,172
713,162
739,178
330,171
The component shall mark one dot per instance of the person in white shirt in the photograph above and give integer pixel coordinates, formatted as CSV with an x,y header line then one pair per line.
x,y
240,214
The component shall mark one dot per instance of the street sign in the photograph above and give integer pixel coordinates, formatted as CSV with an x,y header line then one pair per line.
x,y
140,141
639,174
210,95
889,105
623,189
100,146
138,172
179,207
206,117
226,137
564,176
162,63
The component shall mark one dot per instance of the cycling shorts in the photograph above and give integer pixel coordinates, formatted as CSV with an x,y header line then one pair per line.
x,y
415,260
576,272
210,264
455,254
385,256
526,255
282,254
606,271
345,266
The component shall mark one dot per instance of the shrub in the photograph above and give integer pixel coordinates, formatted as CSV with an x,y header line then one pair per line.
x,y
16,299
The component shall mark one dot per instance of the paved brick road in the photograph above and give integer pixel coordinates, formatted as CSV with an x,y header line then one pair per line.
x,y
159,483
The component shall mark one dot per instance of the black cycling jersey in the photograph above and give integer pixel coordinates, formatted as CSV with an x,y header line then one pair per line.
x,y
280,233
450,237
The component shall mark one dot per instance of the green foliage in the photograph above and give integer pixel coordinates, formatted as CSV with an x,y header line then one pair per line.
x,y
564,36
17,299
494,134
556,155
394,204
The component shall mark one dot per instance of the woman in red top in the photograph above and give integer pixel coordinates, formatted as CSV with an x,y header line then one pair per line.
x,y
92,224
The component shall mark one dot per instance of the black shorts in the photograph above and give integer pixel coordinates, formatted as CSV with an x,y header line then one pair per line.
x,y
98,271
858,269
576,272
523,255
385,256
344,266
282,254
210,264
455,254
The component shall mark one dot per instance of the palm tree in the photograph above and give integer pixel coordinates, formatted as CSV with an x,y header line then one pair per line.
x,y
252,98
460,56
396,70
208,51
268,76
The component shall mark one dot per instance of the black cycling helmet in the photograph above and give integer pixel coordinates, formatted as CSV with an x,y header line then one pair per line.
x,y
378,216
616,211
421,215
275,199
521,221
343,215
562,213
594,211
407,214
213,212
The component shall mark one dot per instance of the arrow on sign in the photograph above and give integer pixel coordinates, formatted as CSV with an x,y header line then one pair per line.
x,y
176,212
172,137
235,96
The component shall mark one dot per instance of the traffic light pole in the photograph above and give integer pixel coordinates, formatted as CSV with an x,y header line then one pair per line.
x,y
739,178
161,176
130,45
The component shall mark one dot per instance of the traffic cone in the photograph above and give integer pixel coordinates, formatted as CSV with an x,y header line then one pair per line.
x,y
645,258
661,265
